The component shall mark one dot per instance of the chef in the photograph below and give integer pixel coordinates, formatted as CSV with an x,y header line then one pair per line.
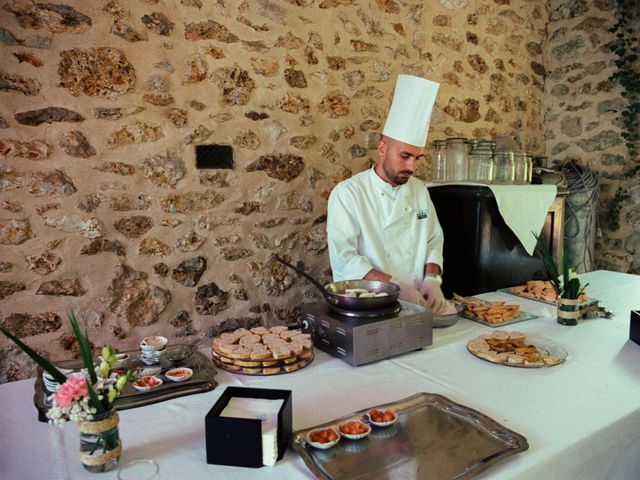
x,y
381,223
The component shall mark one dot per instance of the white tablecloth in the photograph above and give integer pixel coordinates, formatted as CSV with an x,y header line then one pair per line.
x,y
581,419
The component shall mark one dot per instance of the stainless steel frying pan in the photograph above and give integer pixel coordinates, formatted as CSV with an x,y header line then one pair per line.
x,y
332,291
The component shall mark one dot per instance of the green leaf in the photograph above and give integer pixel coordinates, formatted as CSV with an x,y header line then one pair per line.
x,y
44,363
85,348
547,260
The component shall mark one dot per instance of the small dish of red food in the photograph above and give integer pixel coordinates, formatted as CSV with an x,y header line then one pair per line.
x,y
179,374
382,418
323,438
147,383
354,430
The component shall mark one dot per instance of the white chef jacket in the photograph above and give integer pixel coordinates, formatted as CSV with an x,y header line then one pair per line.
x,y
371,224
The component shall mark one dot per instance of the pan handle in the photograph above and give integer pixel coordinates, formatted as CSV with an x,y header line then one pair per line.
x,y
320,287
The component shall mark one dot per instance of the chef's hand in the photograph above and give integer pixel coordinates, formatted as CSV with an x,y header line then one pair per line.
x,y
433,296
408,292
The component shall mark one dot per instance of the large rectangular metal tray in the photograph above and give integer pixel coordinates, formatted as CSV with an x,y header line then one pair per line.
x,y
433,439
177,356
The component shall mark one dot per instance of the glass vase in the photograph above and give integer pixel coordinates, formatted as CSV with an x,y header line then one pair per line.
x,y
100,445
568,311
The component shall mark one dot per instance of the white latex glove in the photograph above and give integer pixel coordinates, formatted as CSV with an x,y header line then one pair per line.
x,y
433,296
408,292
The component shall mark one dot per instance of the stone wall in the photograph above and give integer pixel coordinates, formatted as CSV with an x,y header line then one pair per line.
x,y
103,104
583,118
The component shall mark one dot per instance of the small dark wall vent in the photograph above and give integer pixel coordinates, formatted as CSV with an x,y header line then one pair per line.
x,y
214,156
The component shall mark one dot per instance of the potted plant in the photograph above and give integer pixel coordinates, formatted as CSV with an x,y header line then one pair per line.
x,y
571,294
86,398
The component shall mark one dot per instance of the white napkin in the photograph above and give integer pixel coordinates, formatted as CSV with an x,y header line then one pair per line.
x,y
522,207
261,409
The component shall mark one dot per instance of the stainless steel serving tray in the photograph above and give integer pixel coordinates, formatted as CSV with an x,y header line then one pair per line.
x,y
434,438
176,356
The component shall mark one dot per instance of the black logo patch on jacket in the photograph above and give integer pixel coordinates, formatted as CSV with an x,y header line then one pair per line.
x,y
422,214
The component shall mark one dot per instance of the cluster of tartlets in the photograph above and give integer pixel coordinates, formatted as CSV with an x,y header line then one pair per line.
x,y
262,351
325,438
511,348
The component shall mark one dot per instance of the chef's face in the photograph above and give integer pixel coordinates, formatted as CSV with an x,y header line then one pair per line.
x,y
398,160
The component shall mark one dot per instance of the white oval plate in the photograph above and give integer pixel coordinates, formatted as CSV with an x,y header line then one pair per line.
x,y
175,376
145,388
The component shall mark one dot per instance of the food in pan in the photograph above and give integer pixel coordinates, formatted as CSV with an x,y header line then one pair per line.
x,y
382,418
361,293
354,430
511,348
490,312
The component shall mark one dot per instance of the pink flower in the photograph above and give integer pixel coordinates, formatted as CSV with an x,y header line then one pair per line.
x,y
74,387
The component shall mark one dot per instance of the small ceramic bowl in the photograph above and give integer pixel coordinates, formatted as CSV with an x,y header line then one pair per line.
x,y
354,436
153,354
322,445
383,423
147,383
150,360
179,374
153,344
49,383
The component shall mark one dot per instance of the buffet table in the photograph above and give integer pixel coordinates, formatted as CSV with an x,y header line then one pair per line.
x,y
581,418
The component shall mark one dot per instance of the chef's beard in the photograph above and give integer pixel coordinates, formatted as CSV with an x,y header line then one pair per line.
x,y
395,176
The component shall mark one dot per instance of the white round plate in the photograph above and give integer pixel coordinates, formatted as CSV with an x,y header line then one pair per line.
x,y
382,424
356,436
322,446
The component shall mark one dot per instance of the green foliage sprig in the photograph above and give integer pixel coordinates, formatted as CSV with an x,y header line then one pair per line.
x,y
622,194
627,50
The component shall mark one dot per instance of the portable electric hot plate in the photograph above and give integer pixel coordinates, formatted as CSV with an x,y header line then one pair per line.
x,y
364,336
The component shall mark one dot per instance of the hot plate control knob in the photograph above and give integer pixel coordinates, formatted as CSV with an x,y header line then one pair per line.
x,y
320,332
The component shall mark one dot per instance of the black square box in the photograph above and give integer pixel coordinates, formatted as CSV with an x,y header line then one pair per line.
x,y
238,441
634,326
